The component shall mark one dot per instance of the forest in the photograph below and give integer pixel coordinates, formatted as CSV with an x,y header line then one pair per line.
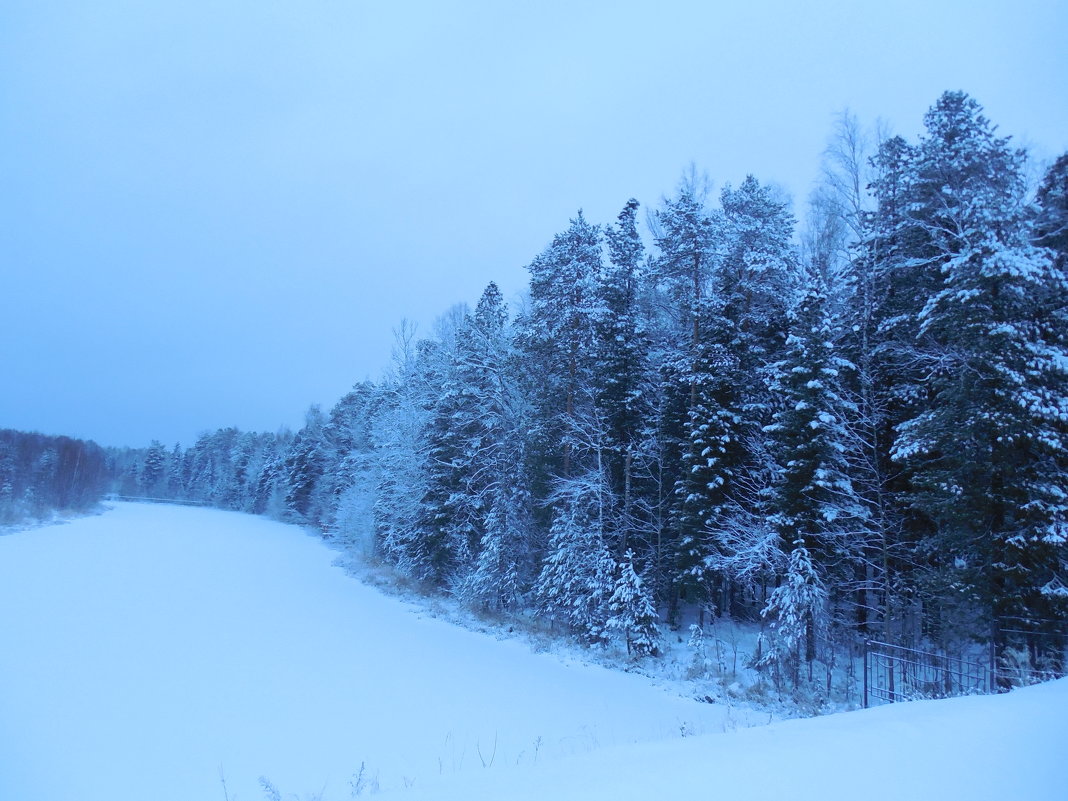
x,y
856,428
40,475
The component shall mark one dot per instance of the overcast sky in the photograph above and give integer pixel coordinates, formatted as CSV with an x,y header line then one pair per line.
x,y
215,213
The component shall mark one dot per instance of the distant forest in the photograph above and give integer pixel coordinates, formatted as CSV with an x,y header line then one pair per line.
x,y
40,475
854,430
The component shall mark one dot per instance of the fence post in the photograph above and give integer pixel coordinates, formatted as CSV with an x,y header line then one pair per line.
x,y
890,672
993,688
867,647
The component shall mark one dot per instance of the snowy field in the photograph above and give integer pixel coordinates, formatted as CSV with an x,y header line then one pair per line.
x,y
150,651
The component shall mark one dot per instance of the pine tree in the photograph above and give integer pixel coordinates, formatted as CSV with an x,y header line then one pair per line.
x,y
498,578
758,276
796,610
709,500
153,470
631,611
399,428
498,478
570,442
473,441
986,447
1050,212
889,282
575,582
560,335
235,493
266,483
305,464
621,371
174,483
688,236
356,474
720,494
813,498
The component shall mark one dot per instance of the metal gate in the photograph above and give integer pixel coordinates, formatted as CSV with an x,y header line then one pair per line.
x,y
895,673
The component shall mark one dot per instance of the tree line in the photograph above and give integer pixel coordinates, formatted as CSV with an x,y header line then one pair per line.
x,y
853,430
41,475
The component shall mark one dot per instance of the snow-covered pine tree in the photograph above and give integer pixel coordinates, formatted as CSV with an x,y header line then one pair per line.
x,y
1050,213
305,463
709,500
236,490
622,372
727,465
576,579
499,578
153,470
796,610
688,236
174,485
356,477
498,479
474,447
757,279
813,498
631,611
570,441
204,468
399,424
266,492
448,520
559,336
986,447
889,281
1049,230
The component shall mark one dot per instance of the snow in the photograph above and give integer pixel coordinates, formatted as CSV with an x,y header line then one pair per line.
x,y
148,650
990,748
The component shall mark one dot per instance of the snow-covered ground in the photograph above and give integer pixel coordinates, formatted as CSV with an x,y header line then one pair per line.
x,y
147,650
150,651
992,748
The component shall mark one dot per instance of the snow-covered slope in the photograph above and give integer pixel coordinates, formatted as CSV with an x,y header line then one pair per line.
x,y
995,748
149,651
146,650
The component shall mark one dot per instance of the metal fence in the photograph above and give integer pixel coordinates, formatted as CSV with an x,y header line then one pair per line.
x,y
895,673
1033,650
139,499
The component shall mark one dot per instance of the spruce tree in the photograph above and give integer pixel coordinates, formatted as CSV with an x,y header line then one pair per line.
x,y
304,467
631,611
796,610
621,369
813,498
153,469
687,237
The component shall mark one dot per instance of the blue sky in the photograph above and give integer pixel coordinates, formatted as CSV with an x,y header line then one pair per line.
x,y
215,213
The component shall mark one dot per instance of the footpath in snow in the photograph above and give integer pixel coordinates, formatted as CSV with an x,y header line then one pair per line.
x,y
148,650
